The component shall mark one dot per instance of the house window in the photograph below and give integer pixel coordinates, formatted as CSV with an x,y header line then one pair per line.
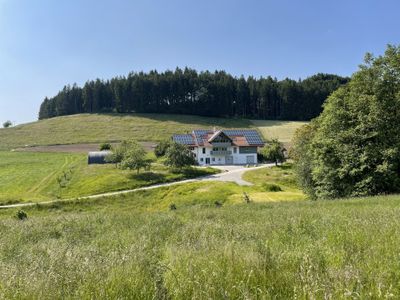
x,y
215,149
204,150
191,148
213,159
243,150
201,159
234,150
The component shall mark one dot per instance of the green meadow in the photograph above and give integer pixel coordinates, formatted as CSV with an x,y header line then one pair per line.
x,y
199,240
282,130
35,177
134,247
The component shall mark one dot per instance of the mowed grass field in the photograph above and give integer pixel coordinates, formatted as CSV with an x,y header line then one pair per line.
x,y
93,128
96,128
33,177
134,247
282,130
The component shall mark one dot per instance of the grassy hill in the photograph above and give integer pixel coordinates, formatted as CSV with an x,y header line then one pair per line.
x,y
134,247
282,130
213,246
95,128
35,177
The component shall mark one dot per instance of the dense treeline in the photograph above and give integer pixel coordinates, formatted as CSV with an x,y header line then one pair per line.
x,y
217,94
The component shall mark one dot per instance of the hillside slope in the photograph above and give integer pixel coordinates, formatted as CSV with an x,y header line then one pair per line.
x,y
95,128
133,247
35,177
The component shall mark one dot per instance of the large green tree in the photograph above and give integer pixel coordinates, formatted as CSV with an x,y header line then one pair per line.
x,y
178,156
355,149
129,155
135,159
273,151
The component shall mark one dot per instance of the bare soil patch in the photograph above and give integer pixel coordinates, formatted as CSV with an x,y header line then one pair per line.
x,y
75,148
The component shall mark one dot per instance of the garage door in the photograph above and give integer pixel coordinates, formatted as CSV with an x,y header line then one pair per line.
x,y
250,159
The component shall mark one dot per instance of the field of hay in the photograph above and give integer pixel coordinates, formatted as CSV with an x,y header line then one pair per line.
x,y
135,247
96,128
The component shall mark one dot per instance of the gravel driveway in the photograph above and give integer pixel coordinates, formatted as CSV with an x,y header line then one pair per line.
x,y
233,174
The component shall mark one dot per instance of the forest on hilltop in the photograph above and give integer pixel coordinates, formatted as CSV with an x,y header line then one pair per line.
x,y
186,91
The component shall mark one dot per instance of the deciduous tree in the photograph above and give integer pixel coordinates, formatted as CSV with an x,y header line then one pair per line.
x,y
273,151
135,158
178,156
355,149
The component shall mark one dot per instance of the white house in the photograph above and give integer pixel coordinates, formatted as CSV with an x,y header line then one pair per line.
x,y
222,147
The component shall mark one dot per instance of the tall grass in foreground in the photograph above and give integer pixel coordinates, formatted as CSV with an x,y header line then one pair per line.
x,y
306,250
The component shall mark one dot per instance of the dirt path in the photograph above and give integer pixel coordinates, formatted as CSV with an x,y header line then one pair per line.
x,y
232,174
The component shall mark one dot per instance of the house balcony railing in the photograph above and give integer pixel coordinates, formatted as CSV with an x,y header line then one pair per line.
x,y
222,152
221,144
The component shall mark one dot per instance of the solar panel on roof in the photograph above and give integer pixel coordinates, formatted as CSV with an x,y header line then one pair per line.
x,y
252,136
185,139
198,134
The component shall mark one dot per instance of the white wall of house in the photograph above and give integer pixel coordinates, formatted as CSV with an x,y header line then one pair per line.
x,y
238,158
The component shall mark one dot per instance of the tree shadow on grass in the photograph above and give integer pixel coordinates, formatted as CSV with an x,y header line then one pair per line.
x,y
285,166
148,176
194,172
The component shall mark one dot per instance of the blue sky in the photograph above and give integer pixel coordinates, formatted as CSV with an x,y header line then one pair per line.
x,y
45,44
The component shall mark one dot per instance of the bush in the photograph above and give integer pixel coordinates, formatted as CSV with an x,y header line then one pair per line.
x,y
270,187
21,215
218,204
117,153
105,146
172,206
162,147
7,124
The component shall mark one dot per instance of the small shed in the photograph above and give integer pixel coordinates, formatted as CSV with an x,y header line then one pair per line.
x,y
97,157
